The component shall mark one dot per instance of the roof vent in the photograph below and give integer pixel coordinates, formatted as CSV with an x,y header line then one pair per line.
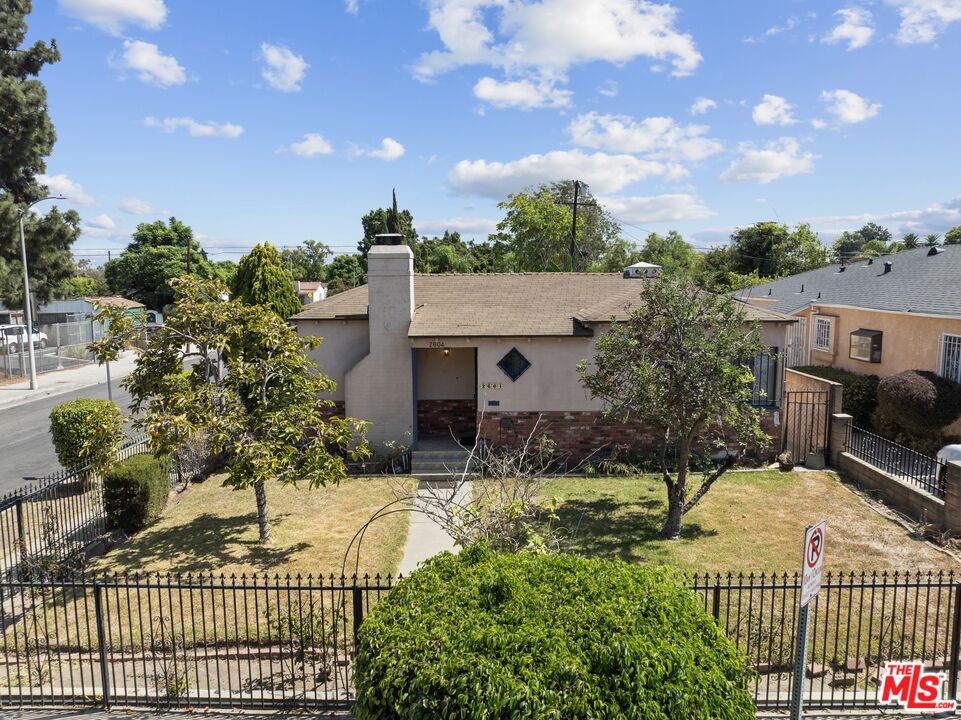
x,y
642,270
819,295
802,287
842,268
389,239
770,291
934,250
887,267
870,261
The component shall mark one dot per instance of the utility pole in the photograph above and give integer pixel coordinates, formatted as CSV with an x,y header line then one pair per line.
x,y
574,205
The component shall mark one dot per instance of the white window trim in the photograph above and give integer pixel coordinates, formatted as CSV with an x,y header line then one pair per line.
x,y
942,355
814,338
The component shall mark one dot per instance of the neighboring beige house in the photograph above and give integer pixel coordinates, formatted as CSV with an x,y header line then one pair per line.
x,y
879,316
309,291
437,355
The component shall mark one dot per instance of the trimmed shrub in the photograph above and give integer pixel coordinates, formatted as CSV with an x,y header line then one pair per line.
x,y
135,492
86,431
859,397
490,635
920,402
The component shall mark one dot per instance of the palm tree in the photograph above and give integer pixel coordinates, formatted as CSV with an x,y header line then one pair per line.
x,y
910,241
932,239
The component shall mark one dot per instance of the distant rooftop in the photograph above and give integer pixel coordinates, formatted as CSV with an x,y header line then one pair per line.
x,y
917,283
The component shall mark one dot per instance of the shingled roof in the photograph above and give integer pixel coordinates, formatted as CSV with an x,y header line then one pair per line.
x,y
507,304
917,283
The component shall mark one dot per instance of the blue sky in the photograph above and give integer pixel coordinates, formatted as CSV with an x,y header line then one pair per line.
x,y
283,121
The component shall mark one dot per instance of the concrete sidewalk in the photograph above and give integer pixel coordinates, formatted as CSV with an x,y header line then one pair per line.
x,y
425,538
64,381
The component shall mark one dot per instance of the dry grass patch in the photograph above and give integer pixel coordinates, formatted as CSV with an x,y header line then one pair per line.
x,y
212,528
749,521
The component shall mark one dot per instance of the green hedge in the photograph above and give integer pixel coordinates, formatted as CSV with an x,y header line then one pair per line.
x,y
859,398
135,492
86,431
920,402
487,635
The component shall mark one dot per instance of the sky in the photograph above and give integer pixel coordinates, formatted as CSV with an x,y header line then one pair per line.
x,y
288,120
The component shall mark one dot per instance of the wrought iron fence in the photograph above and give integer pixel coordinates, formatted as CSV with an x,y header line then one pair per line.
x,y
55,517
902,462
261,642
765,388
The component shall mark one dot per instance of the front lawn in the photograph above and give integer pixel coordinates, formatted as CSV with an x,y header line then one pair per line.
x,y
212,528
749,521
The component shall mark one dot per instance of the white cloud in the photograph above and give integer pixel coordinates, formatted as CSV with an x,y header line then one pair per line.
x,y
936,218
463,225
657,208
604,173
855,28
135,206
777,159
312,144
112,15
389,150
283,69
657,137
792,22
352,6
151,65
546,38
819,123
923,20
773,110
63,185
849,107
523,94
701,105
197,129
102,222
609,88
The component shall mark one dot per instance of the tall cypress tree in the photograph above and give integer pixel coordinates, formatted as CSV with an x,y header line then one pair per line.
x,y
262,279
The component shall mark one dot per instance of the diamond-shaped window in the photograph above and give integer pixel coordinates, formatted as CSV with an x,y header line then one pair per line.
x,y
514,364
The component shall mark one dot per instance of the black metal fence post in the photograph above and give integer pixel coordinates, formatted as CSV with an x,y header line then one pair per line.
x,y
716,605
101,642
358,610
955,642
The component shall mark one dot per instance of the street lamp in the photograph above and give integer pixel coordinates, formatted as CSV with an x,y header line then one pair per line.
x,y
28,311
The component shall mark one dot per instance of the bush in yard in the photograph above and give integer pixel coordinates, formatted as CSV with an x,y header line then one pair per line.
x,y
495,635
86,431
859,397
920,402
135,492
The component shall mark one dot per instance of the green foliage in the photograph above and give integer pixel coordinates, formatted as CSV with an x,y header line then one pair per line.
x,y
343,273
306,262
850,244
502,636
920,402
265,412
443,255
88,281
859,396
678,365
135,492
771,249
910,241
86,431
125,329
157,253
262,279
671,252
953,236
386,220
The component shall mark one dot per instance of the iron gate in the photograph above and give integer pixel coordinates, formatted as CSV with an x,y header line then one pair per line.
x,y
805,423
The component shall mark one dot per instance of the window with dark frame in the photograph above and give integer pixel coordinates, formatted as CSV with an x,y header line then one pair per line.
x,y
866,345
514,364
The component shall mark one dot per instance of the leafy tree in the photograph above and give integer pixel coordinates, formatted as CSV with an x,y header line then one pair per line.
x,y
678,366
616,256
343,273
537,228
265,412
932,239
27,138
671,252
953,236
443,255
873,248
262,279
773,250
910,241
86,432
88,281
492,256
384,220
306,262
157,252
850,244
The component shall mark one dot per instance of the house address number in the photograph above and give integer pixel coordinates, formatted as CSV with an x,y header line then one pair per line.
x,y
437,344
492,386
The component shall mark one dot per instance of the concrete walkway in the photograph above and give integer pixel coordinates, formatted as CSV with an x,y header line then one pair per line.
x,y
425,538
64,381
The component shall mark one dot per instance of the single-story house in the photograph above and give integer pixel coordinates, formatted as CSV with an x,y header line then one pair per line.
x,y
309,291
487,354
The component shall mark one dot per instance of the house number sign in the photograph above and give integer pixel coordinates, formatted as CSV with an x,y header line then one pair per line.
x,y
437,343
492,386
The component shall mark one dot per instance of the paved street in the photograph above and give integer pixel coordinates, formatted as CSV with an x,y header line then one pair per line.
x,y
25,447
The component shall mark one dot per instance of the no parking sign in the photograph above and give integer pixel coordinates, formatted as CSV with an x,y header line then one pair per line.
x,y
813,561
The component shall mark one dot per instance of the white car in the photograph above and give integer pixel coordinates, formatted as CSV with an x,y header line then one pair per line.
x,y
11,336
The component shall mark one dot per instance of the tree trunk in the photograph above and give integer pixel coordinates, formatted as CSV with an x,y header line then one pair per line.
x,y
675,496
260,490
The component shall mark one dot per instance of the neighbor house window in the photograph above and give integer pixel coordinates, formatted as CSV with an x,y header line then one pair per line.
x,y
951,357
822,334
866,345
514,364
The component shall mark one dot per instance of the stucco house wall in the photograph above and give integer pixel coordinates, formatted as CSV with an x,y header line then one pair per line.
x,y
344,343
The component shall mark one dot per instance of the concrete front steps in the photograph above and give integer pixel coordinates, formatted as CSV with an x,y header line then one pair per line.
x,y
440,464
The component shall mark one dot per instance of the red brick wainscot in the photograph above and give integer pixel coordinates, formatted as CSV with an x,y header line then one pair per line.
x,y
447,418
579,435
